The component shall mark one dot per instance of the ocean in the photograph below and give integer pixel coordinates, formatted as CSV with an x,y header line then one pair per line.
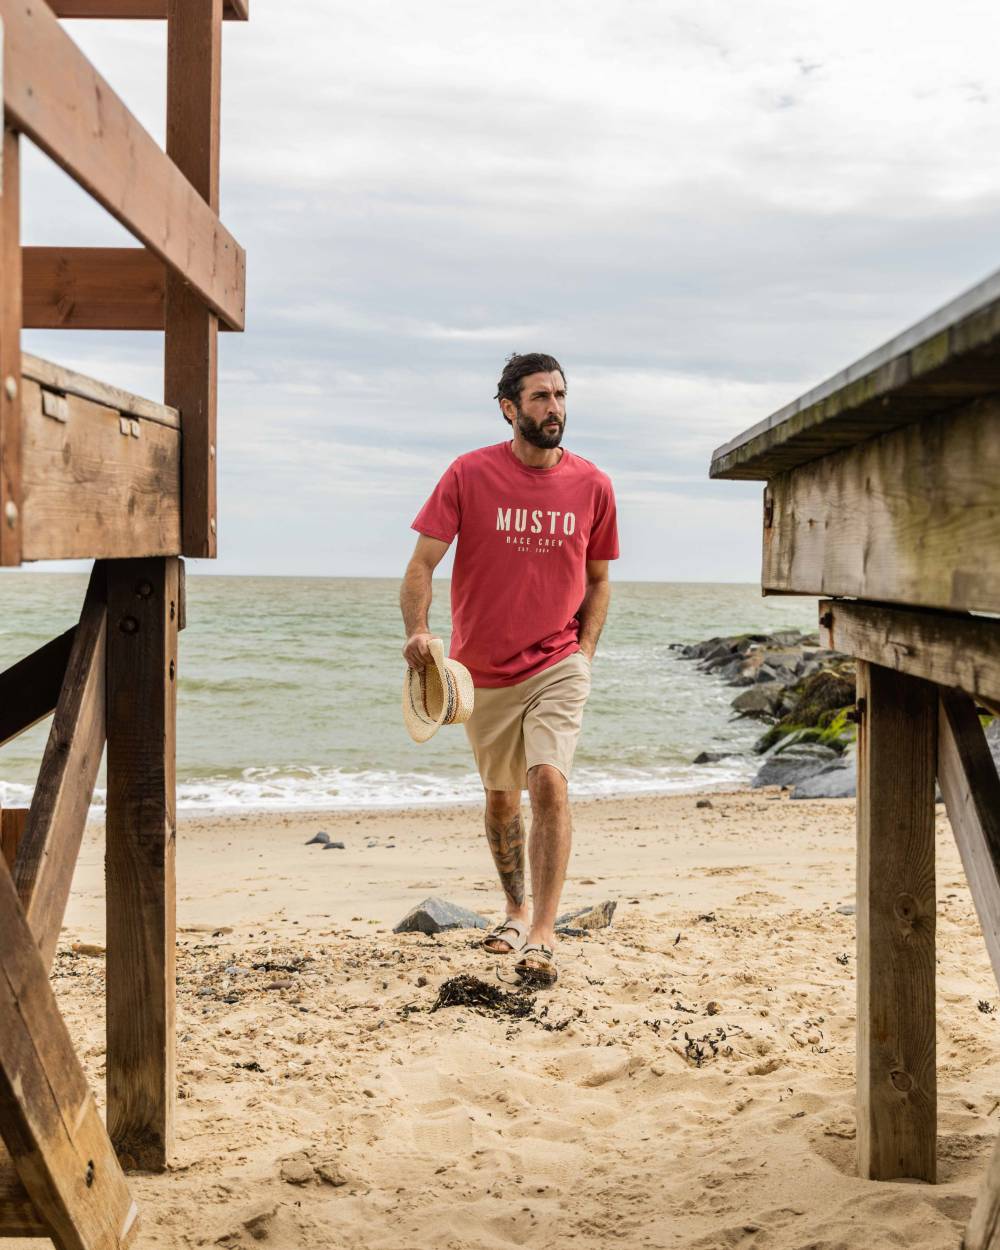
x,y
289,693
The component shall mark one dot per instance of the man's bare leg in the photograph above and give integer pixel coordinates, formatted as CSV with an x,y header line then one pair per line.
x,y
548,848
505,834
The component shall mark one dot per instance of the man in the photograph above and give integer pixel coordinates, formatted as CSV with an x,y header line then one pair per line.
x,y
536,527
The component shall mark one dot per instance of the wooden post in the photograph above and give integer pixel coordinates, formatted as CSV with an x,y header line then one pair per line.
x,y
896,913
194,59
12,821
10,351
142,684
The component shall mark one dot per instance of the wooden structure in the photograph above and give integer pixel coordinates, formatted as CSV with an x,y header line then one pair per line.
x,y
883,498
88,470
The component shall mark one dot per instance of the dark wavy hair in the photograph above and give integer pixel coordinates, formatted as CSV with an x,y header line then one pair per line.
x,y
517,368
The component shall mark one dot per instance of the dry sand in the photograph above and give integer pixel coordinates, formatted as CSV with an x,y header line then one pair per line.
x,y
339,1111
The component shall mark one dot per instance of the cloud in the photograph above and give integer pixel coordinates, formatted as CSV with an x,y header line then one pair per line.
x,y
701,208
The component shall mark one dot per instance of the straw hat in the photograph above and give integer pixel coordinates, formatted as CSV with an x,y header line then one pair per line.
x,y
440,694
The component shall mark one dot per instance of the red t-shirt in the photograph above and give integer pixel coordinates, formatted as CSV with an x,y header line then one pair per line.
x,y
524,537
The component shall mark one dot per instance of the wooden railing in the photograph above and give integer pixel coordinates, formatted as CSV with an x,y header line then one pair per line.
x,y
191,275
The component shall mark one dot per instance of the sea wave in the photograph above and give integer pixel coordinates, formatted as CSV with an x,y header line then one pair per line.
x,y
329,789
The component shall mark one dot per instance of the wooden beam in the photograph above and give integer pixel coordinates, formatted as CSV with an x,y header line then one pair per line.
x,y
983,1229
143,603
29,689
63,381
93,288
971,789
942,647
12,822
912,517
48,1118
194,59
18,1217
896,914
233,10
97,484
10,343
50,845
54,94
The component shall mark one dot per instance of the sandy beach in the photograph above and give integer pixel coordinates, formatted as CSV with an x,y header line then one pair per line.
x,y
689,1082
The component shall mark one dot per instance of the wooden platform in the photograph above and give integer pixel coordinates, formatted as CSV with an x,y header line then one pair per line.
x,y
101,469
937,365
883,494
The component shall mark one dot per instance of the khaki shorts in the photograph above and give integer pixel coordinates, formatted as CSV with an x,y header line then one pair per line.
x,y
537,721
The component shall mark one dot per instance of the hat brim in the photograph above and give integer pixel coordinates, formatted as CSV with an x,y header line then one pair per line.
x,y
456,688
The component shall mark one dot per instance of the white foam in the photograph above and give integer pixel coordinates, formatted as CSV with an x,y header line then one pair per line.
x,y
326,789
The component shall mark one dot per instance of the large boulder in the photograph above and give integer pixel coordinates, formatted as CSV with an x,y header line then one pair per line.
x,y
819,703
793,764
435,914
761,700
838,780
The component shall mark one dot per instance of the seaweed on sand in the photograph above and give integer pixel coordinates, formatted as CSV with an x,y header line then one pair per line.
x,y
469,991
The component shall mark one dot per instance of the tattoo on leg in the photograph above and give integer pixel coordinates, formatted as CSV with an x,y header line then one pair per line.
x,y
506,839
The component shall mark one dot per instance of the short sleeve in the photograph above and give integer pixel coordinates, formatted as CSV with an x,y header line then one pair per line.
x,y
441,515
603,544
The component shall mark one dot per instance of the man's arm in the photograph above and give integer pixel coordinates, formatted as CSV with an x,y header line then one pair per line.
x,y
415,599
594,609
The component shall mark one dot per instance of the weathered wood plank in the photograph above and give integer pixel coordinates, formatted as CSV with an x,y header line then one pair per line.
x,y
10,345
944,360
18,1217
48,1118
194,60
54,94
141,833
943,647
911,517
12,822
93,288
983,1229
971,789
29,689
65,381
233,11
98,484
50,844
896,915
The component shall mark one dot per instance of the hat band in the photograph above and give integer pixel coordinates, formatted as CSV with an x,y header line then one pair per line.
x,y
419,707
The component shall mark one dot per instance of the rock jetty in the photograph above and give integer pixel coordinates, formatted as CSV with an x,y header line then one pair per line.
x,y
803,696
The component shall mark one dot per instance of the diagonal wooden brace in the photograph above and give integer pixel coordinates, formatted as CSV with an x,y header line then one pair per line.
x,y
29,689
971,789
48,1118
48,850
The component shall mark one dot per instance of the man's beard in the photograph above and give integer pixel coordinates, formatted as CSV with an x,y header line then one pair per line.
x,y
537,435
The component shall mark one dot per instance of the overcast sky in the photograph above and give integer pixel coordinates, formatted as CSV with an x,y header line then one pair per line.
x,y
701,209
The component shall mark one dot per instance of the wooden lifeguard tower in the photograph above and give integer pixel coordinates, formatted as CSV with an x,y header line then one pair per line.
x,y
883,498
87,470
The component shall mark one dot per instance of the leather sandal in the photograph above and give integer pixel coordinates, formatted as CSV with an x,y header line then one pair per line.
x,y
537,965
518,930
